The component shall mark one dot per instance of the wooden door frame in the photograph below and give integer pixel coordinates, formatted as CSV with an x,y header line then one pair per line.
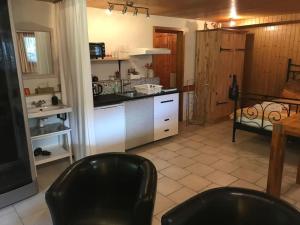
x,y
180,60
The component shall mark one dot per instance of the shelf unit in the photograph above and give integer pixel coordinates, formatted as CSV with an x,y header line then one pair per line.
x,y
110,59
54,137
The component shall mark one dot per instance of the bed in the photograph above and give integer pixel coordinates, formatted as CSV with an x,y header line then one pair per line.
x,y
257,113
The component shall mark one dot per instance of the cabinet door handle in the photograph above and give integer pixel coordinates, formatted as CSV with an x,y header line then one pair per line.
x,y
166,130
167,101
167,119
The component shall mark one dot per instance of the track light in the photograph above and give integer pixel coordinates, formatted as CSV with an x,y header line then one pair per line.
x,y
109,9
124,9
126,5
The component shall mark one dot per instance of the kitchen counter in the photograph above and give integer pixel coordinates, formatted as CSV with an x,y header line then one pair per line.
x,y
111,99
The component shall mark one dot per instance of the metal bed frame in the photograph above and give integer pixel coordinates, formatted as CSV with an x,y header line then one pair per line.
x,y
293,71
250,106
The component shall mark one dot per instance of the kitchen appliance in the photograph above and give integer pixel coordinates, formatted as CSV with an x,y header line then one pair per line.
x,y
97,50
97,88
17,174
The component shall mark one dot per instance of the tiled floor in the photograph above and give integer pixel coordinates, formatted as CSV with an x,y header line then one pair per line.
x,y
198,159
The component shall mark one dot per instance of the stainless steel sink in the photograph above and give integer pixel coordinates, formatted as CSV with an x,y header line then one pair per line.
x,y
128,94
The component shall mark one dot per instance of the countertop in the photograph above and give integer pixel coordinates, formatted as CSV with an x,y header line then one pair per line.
x,y
111,99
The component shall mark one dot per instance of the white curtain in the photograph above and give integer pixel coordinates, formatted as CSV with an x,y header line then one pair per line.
x,y
75,69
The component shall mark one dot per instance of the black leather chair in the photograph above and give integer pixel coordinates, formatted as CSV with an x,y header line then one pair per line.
x,y
232,206
104,189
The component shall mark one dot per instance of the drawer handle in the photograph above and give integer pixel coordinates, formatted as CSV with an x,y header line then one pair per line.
x,y
167,119
167,130
167,101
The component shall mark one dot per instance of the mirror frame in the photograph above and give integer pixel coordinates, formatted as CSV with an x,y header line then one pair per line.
x,y
55,73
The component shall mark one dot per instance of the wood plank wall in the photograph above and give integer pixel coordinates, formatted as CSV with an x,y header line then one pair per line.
x,y
268,50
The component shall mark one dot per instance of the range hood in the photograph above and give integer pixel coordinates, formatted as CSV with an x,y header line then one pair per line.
x,y
150,51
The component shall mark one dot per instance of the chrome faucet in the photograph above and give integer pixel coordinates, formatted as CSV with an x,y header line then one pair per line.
x,y
39,103
123,84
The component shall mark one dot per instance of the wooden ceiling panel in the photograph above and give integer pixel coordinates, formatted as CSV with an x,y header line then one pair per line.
x,y
213,10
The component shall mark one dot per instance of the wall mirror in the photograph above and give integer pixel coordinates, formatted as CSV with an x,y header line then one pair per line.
x,y
35,52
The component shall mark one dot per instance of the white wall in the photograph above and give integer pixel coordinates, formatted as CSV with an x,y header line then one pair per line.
x,y
37,15
120,31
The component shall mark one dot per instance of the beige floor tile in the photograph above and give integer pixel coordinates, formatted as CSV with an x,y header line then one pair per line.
x,y
210,150
224,166
182,161
155,149
286,184
244,184
175,172
200,169
197,138
297,205
206,159
221,178
31,205
7,210
211,186
182,195
10,219
247,175
173,146
166,154
146,155
195,182
228,157
160,164
188,152
162,203
212,143
167,186
41,217
155,221
294,193
159,175
193,144
287,199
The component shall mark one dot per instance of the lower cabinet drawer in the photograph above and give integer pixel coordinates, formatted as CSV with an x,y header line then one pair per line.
x,y
163,129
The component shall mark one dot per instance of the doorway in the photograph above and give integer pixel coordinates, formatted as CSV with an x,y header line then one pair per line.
x,y
170,68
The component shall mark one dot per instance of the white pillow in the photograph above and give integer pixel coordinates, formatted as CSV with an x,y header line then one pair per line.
x,y
272,106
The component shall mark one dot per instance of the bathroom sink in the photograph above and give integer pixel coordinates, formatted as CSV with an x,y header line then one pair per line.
x,y
47,111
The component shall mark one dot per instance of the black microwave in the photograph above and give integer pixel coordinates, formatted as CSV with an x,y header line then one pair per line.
x,y
97,50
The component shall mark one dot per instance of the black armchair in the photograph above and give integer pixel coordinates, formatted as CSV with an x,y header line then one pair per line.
x,y
232,206
104,189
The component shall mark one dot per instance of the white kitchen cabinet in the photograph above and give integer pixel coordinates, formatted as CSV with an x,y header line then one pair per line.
x,y
110,128
139,122
165,116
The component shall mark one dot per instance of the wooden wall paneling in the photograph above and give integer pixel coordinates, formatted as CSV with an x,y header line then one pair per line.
x,y
266,66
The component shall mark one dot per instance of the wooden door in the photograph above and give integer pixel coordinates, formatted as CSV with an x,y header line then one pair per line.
x,y
207,51
222,105
165,65
231,62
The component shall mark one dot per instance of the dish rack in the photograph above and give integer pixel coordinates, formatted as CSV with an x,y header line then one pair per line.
x,y
148,89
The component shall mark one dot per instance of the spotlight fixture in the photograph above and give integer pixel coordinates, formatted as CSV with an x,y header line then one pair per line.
x,y
109,9
126,5
124,9
232,23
